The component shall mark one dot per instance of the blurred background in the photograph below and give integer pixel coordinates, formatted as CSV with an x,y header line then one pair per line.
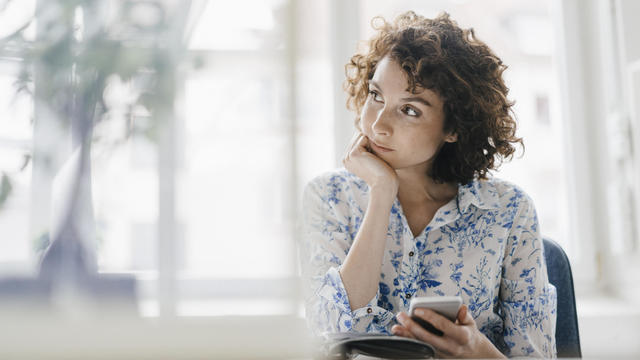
x,y
205,215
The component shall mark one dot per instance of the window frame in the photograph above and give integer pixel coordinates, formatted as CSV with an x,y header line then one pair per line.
x,y
591,78
170,286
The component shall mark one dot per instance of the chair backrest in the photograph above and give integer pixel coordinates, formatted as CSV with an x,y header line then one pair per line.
x,y
559,270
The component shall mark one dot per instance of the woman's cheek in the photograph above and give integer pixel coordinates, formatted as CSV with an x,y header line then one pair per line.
x,y
361,124
367,116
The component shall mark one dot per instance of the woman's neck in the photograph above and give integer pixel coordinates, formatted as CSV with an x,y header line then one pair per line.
x,y
416,187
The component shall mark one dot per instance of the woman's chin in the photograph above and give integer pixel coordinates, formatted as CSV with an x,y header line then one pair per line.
x,y
389,162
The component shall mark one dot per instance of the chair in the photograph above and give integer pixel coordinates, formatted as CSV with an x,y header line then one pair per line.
x,y
559,271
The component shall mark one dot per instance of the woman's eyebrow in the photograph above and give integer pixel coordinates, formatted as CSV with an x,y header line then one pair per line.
x,y
417,99
408,99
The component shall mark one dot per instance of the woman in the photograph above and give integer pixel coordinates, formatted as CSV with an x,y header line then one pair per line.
x,y
415,214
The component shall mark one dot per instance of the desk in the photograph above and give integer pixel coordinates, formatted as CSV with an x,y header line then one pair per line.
x,y
110,336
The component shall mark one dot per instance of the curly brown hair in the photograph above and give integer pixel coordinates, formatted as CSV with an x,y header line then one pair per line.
x,y
439,55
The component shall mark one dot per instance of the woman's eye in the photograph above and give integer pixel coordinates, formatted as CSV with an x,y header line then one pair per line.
x,y
374,94
410,111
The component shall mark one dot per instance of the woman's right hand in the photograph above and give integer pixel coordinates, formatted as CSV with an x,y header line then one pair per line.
x,y
369,167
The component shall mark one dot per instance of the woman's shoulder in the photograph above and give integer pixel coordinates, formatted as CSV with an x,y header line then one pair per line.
x,y
337,189
505,192
336,178
337,186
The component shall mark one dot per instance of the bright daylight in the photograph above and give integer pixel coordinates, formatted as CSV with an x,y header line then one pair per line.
x,y
331,179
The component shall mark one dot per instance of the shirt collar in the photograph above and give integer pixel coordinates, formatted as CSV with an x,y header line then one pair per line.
x,y
481,193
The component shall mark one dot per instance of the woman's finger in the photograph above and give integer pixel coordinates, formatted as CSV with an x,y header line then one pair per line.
x,y
440,322
353,144
400,330
462,314
464,317
349,148
357,137
360,146
442,343
364,142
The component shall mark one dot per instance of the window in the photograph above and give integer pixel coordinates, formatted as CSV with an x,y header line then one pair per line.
x,y
204,212
242,139
262,116
234,169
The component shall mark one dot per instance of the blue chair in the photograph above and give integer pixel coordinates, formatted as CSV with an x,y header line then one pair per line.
x,y
559,270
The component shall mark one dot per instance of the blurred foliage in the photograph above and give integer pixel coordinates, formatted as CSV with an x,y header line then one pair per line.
x,y
83,47
5,189
41,244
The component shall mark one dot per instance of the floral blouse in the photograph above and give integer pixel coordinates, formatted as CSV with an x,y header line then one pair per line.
x,y
484,245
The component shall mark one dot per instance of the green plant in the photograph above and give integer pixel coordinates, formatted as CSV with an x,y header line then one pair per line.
x,y
84,47
85,50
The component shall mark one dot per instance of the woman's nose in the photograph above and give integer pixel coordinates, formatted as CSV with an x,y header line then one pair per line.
x,y
382,125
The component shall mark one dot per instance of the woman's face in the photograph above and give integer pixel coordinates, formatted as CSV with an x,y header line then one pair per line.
x,y
404,129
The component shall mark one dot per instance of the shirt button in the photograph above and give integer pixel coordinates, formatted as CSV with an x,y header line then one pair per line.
x,y
369,310
408,296
410,253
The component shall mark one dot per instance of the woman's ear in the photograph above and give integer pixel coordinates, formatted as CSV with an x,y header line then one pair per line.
x,y
451,138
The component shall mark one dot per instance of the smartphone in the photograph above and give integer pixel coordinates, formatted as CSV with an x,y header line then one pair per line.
x,y
447,306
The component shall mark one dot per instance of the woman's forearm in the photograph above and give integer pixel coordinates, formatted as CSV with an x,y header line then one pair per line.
x,y
361,269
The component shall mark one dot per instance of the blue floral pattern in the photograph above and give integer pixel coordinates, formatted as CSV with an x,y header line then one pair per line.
x,y
484,245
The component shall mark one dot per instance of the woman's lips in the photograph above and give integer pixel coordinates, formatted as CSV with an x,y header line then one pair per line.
x,y
379,148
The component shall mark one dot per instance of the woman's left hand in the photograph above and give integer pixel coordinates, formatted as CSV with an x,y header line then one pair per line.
x,y
461,339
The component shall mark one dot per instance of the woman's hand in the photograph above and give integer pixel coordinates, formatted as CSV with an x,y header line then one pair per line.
x,y
369,167
461,339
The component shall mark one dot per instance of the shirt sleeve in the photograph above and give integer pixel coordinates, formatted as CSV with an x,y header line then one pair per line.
x,y
323,249
527,300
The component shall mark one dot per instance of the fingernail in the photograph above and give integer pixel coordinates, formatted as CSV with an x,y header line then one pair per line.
x,y
419,312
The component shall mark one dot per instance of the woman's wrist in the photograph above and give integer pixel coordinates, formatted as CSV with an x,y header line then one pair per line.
x,y
387,188
489,350
383,194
